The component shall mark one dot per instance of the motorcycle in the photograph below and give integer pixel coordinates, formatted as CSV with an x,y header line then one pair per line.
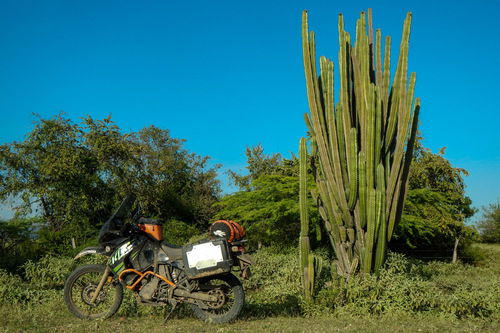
x,y
158,273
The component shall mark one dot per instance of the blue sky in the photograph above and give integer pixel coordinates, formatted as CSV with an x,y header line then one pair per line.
x,y
227,74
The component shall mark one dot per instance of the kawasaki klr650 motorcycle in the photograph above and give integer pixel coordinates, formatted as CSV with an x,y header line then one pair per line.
x,y
159,273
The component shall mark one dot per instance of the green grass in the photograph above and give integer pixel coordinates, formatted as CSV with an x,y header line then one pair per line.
x,y
410,296
59,320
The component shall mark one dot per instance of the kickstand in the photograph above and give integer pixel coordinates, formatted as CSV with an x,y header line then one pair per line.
x,y
174,305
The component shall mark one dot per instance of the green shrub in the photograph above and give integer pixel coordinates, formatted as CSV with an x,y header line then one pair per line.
x,y
15,291
411,286
179,232
49,271
52,271
403,286
274,287
473,254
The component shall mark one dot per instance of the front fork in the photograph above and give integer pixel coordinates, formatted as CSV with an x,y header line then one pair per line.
x,y
100,285
96,250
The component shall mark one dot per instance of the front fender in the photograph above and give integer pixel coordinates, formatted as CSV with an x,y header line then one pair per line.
x,y
89,251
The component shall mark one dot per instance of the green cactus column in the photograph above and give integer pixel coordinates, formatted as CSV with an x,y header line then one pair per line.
x,y
306,258
363,144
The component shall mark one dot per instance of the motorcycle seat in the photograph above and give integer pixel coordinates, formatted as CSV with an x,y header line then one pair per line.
x,y
174,252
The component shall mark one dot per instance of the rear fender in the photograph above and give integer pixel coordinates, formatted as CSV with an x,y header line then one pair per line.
x,y
245,261
246,258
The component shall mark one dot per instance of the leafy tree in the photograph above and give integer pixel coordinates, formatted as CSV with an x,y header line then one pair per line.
x,y
435,172
56,175
258,164
433,219
436,207
489,225
269,212
74,174
170,182
267,203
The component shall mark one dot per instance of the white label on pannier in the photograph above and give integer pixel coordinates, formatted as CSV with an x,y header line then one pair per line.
x,y
204,255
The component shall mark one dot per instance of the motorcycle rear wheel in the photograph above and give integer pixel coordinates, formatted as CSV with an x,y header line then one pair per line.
x,y
230,295
80,287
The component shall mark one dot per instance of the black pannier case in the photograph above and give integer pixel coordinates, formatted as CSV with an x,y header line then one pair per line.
x,y
207,257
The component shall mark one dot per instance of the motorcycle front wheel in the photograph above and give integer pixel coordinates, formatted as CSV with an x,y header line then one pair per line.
x,y
79,289
230,299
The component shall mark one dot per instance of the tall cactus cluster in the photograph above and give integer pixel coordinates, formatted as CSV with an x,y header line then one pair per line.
x,y
362,145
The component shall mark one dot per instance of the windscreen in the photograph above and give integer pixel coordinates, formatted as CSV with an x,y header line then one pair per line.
x,y
111,229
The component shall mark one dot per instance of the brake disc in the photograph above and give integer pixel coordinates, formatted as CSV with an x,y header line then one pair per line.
x,y
88,292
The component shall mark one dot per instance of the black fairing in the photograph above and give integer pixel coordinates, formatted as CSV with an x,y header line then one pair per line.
x,y
142,256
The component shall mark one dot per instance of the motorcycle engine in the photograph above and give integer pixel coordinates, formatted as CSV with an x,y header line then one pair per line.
x,y
149,286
